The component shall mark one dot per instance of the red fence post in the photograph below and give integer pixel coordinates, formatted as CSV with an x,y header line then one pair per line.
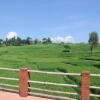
x,y
24,77
85,86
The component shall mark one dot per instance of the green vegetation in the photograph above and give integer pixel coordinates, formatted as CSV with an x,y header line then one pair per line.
x,y
93,40
18,41
51,58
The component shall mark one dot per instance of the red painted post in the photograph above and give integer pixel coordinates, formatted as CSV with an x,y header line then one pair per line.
x,y
24,77
85,86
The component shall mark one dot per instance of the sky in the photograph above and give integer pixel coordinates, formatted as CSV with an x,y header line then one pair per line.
x,y
50,18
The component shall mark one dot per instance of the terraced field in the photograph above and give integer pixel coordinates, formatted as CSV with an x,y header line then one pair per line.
x,y
51,58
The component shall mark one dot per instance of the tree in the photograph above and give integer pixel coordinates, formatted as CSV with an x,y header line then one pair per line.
x,y
49,40
18,41
6,42
44,40
29,40
93,40
1,41
12,41
36,41
24,42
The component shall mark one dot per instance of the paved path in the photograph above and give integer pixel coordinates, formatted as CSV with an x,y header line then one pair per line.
x,y
14,96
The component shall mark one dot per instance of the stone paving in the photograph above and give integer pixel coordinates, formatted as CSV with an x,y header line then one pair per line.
x,y
14,96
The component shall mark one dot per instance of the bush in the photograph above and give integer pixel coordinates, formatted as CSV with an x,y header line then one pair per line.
x,y
67,47
65,50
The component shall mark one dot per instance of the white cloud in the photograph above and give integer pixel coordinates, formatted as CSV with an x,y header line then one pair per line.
x,y
59,39
10,35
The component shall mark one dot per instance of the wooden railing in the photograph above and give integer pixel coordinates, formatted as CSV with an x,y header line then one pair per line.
x,y
25,81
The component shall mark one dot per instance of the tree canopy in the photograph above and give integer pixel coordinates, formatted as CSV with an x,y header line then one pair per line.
x,y
93,40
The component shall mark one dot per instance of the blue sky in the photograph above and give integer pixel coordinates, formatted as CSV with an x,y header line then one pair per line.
x,y
50,18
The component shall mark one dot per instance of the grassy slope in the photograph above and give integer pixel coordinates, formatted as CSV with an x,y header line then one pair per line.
x,y
51,58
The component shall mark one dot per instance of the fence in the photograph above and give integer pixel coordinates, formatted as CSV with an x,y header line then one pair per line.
x,y
24,84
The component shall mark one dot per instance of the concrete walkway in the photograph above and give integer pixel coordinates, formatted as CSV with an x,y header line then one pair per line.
x,y
14,96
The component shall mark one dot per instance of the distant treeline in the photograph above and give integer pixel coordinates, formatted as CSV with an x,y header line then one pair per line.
x,y
19,41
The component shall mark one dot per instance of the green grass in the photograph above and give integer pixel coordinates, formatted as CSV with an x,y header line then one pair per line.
x,y
51,58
